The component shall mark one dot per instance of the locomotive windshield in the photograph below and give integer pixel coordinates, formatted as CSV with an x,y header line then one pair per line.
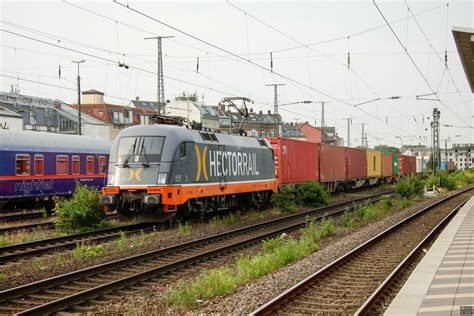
x,y
142,149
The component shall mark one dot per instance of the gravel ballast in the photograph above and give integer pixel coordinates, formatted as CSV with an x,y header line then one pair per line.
x,y
252,295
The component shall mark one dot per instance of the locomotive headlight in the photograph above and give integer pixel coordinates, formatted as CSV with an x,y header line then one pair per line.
x,y
111,179
162,177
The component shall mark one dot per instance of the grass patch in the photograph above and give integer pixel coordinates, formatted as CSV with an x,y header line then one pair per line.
x,y
184,229
27,236
224,221
277,252
86,251
404,203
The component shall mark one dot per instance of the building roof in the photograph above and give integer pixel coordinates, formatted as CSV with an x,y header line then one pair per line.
x,y
7,112
92,91
148,105
464,38
18,102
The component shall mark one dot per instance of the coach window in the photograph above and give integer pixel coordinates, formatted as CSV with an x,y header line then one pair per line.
x,y
90,164
76,164
102,164
22,165
62,164
39,165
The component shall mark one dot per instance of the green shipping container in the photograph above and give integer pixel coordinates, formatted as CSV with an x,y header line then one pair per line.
x,y
395,165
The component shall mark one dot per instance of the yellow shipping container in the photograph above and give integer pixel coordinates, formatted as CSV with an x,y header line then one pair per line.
x,y
374,163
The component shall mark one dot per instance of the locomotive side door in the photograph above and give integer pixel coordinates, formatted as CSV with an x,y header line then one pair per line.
x,y
222,165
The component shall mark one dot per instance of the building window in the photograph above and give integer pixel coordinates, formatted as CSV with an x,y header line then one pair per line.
x,y
76,164
102,164
39,165
90,164
22,165
62,162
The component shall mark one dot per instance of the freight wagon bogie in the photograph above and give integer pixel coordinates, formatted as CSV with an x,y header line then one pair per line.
x,y
159,171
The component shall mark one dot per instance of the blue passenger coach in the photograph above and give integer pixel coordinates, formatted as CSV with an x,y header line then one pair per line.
x,y
36,166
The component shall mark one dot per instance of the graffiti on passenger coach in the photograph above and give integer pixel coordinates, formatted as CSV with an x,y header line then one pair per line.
x,y
33,185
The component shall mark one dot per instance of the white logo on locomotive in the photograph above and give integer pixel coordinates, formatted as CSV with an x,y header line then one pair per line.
x,y
228,163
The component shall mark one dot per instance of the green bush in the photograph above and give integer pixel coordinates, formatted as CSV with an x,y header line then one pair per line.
x,y
312,193
284,200
81,212
409,186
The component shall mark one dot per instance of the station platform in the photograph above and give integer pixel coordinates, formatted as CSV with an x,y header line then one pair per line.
x,y
443,282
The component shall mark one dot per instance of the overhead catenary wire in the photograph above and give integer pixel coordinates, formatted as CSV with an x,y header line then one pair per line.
x,y
323,55
414,63
289,79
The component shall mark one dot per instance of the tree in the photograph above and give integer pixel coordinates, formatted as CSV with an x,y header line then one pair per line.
x,y
387,150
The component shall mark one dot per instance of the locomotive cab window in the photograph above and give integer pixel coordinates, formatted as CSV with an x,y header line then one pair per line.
x,y
182,150
140,149
90,164
101,164
374,162
76,163
62,162
22,165
39,165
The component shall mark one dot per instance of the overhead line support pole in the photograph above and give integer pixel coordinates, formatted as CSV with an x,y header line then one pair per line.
x,y
160,99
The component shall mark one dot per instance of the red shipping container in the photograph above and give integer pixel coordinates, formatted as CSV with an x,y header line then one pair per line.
x,y
404,165
387,165
413,165
332,165
295,161
356,163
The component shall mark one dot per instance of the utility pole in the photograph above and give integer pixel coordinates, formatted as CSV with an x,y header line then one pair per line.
x,y
323,130
275,106
435,132
363,135
348,132
78,62
159,72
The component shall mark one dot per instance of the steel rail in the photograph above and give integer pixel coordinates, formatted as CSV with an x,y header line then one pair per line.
x,y
271,305
365,307
59,304
12,216
37,247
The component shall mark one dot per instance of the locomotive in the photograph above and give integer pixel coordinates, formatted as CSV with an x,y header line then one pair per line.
x,y
159,171
36,166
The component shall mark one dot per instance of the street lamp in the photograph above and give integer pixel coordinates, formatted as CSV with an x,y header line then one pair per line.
x,y
78,95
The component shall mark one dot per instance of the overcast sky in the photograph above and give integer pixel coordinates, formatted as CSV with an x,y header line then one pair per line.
x,y
38,37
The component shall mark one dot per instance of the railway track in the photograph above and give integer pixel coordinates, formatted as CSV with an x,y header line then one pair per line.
x,y
14,216
355,282
35,248
43,224
74,290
